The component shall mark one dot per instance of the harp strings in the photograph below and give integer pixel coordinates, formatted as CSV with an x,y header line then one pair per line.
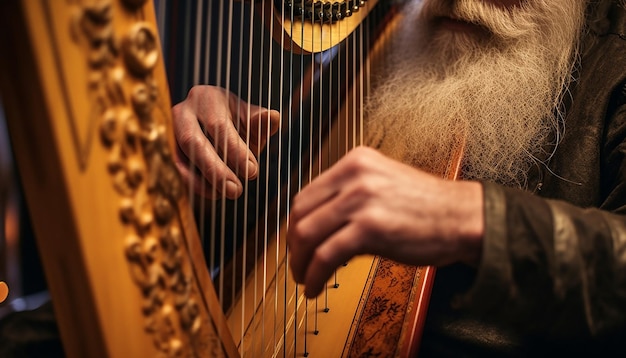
x,y
219,37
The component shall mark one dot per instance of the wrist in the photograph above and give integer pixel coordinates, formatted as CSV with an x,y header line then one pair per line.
x,y
469,213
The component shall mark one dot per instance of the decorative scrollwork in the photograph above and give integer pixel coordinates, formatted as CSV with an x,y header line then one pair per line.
x,y
142,171
140,49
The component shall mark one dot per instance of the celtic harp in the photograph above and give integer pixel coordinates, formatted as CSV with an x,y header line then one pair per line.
x,y
137,266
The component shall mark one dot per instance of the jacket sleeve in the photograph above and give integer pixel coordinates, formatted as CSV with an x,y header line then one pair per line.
x,y
548,265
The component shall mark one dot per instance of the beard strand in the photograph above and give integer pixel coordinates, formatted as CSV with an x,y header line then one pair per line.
x,y
498,95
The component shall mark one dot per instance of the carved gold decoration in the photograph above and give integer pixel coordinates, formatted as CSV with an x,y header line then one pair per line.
x,y
140,50
134,3
141,169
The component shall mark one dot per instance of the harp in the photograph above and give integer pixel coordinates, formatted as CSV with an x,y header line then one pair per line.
x,y
89,114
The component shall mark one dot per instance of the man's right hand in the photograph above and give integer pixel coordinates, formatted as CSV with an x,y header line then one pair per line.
x,y
218,138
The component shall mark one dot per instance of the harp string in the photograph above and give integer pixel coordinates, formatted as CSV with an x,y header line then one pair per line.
x,y
246,174
289,188
226,153
213,188
329,119
319,155
267,224
310,177
196,79
281,148
212,64
265,208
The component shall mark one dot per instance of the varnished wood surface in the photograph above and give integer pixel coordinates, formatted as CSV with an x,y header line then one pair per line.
x,y
305,36
88,111
121,286
311,37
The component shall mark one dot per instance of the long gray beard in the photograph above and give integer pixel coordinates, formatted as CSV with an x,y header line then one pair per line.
x,y
499,96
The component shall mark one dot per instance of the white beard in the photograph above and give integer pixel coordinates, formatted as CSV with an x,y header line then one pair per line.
x,y
499,95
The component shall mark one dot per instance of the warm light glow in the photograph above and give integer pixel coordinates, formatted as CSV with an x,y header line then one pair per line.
x,y
4,291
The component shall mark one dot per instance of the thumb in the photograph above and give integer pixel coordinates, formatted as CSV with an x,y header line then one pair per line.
x,y
263,124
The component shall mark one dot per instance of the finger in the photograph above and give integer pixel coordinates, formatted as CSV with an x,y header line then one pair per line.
x,y
263,124
197,183
234,150
322,189
213,108
215,113
332,253
356,164
305,234
201,154
255,125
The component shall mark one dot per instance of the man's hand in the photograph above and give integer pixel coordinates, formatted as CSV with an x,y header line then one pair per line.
x,y
368,203
219,137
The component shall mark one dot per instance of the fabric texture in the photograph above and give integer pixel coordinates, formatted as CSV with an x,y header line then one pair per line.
x,y
552,278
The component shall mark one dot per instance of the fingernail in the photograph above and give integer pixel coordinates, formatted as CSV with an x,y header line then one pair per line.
x,y
232,189
252,169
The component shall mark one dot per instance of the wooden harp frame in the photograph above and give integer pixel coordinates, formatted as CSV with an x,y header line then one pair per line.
x,y
85,93
88,112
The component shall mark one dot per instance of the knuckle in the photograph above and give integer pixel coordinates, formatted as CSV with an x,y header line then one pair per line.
x,y
221,130
360,160
186,140
303,233
323,257
216,134
194,92
191,141
215,170
364,151
359,193
296,209
364,188
369,219
177,110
